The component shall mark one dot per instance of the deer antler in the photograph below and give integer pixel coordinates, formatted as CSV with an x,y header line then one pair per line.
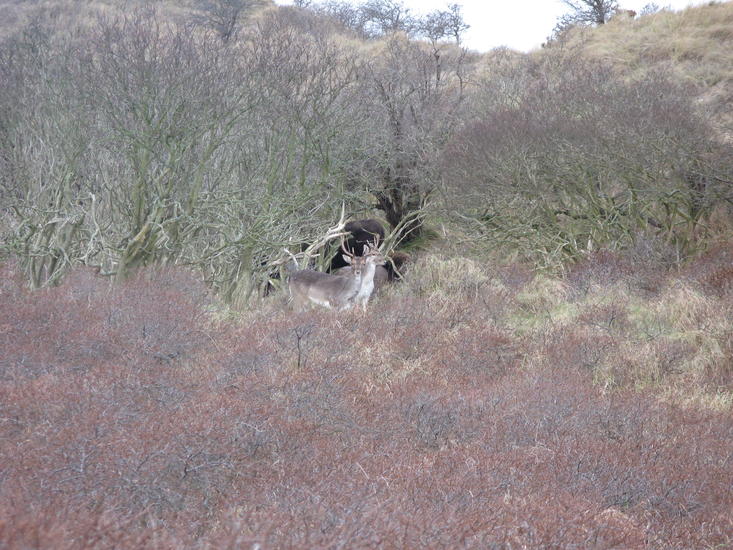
x,y
332,233
376,243
346,251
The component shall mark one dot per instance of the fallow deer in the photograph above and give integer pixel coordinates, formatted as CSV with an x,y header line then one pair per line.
x,y
337,291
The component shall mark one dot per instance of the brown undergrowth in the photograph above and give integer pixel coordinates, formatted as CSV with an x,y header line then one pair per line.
x,y
494,410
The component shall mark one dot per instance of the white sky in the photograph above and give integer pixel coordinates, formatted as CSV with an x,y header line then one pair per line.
x,y
519,24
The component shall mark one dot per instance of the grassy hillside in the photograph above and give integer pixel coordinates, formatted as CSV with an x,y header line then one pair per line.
x,y
15,16
695,41
694,45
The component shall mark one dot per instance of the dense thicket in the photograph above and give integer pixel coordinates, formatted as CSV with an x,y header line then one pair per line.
x,y
144,140
138,142
565,156
135,141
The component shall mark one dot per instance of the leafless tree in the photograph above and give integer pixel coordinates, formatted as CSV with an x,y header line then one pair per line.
x,y
345,13
583,13
592,12
410,101
382,17
225,16
377,18
442,24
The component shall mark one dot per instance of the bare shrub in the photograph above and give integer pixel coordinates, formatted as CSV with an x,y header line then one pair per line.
x,y
603,268
481,352
226,16
408,102
434,425
580,159
713,271
166,146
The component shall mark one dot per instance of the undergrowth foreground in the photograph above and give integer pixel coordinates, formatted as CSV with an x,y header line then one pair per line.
x,y
469,407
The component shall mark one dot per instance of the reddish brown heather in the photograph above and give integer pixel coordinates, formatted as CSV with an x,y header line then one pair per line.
x,y
714,271
130,419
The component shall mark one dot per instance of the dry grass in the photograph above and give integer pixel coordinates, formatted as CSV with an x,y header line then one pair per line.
x,y
630,324
693,44
68,14
696,41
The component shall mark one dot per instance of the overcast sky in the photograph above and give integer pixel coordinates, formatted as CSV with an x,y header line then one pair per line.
x,y
519,24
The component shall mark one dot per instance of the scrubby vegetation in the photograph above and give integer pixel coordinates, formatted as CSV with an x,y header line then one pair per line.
x,y
149,137
492,408
555,369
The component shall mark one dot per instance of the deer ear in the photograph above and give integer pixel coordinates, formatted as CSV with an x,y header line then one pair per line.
x,y
346,258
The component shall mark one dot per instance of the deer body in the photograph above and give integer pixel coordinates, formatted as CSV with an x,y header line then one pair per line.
x,y
337,291
378,280
331,291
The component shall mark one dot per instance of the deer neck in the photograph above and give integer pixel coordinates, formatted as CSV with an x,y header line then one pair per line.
x,y
356,281
367,276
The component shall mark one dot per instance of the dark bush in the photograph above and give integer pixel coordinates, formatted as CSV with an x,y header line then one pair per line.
x,y
581,158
